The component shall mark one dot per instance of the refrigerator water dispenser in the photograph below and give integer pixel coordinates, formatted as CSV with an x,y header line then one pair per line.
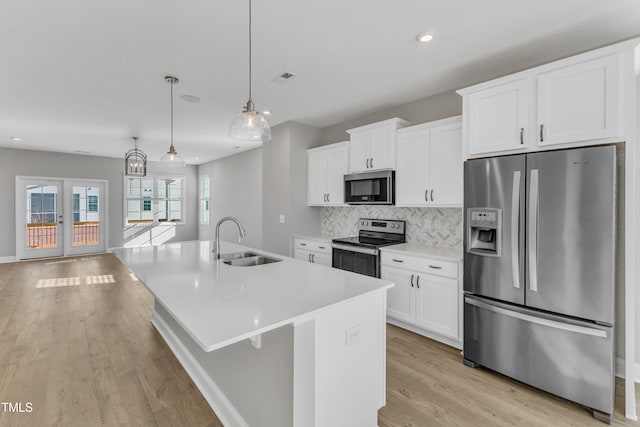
x,y
484,231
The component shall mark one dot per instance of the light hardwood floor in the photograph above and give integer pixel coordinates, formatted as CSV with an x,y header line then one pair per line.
x,y
76,341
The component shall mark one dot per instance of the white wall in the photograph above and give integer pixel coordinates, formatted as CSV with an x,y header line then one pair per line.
x,y
15,162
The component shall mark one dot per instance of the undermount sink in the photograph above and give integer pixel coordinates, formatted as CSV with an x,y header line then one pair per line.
x,y
247,259
237,255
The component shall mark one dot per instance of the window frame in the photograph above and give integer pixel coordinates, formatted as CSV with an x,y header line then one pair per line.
x,y
155,200
206,198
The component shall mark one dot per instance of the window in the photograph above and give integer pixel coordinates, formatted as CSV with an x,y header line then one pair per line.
x,y
154,199
92,203
205,197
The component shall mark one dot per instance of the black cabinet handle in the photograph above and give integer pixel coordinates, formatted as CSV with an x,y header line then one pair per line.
x,y
412,280
418,282
541,133
432,195
397,260
435,267
521,135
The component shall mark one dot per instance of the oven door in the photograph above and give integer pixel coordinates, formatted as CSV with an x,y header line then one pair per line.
x,y
357,259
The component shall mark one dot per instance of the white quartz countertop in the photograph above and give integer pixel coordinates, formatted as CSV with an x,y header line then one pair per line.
x,y
219,304
433,252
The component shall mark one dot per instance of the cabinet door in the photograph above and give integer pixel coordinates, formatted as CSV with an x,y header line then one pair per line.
x,y
411,168
382,148
400,298
498,117
322,259
579,102
336,168
437,304
359,151
445,170
302,255
317,177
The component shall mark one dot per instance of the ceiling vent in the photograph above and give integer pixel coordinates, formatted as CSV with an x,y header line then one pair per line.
x,y
283,77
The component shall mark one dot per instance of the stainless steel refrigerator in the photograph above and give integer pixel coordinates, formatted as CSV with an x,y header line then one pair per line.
x,y
539,271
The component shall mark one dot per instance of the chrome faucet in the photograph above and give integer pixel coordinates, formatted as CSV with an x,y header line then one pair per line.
x,y
241,229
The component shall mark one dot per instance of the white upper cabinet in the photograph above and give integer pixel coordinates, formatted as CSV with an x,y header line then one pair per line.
x,y
373,147
579,102
429,170
499,117
327,166
572,102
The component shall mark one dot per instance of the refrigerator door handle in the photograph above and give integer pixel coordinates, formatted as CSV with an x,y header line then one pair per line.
x,y
585,330
532,239
515,216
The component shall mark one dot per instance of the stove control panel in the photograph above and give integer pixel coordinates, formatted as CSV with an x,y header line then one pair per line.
x,y
382,225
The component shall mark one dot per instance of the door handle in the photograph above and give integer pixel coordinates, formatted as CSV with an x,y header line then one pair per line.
x,y
328,198
541,133
309,257
432,195
418,281
367,163
313,258
426,195
412,280
532,239
515,217
585,330
371,162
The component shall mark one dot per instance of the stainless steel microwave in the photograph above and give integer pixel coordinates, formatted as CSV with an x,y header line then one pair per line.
x,y
370,188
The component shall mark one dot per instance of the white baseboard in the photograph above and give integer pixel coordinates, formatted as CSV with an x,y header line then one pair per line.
x,y
620,369
425,333
5,259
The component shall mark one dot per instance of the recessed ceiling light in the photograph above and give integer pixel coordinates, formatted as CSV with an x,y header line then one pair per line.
x,y
426,36
190,98
15,138
197,158
266,112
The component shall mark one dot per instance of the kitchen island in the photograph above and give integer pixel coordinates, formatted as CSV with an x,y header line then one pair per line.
x,y
287,343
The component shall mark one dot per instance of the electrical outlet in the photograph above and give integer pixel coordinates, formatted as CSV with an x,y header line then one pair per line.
x,y
352,335
281,219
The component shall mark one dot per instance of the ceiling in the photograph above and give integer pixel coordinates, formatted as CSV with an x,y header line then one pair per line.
x,y
87,75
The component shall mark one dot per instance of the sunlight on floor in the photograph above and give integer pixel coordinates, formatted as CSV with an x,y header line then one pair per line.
x,y
75,281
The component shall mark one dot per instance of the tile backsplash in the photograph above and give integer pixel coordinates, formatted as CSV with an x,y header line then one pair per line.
x,y
425,226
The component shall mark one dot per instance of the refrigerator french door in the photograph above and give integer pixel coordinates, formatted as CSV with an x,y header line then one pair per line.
x,y
540,271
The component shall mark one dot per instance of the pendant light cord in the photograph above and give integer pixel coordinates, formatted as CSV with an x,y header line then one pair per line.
x,y
250,50
172,148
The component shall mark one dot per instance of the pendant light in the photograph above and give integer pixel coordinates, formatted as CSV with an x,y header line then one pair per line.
x,y
250,125
135,161
171,159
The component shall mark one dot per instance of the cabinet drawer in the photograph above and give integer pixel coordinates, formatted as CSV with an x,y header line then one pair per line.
x,y
313,245
430,266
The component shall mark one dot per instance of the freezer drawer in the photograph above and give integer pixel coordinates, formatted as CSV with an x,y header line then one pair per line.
x,y
569,358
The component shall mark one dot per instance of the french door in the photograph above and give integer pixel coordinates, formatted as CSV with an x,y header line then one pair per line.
x,y
57,217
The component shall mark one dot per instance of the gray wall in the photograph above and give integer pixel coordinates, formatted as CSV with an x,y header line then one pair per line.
x,y
436,107
236,190
61,165
257,186
285,186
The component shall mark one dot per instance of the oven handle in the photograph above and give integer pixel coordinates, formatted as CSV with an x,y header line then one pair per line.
x,y
358,249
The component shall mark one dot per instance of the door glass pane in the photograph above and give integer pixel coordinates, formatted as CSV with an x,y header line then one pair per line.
x,y
42,216
86,216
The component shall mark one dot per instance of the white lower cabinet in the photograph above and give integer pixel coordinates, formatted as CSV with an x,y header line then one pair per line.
x,y
426,296
313,251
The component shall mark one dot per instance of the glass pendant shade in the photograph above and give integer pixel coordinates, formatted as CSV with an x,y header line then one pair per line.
x,y
171,159
250,126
